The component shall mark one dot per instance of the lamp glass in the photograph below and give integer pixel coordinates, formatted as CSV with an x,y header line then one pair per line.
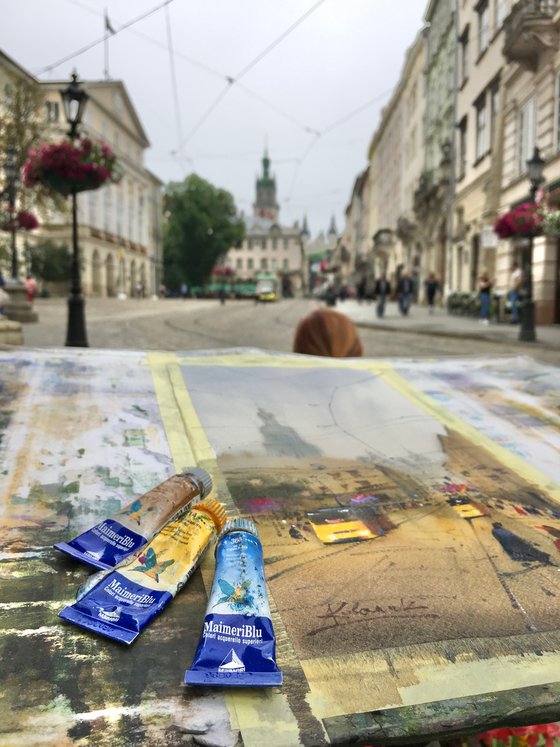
x,y
535,166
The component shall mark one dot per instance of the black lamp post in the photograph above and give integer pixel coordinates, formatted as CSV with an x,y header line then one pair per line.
x,y
74,100
527,333
11,170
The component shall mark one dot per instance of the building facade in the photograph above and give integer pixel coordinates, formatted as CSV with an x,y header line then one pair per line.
x,y
268,246
478,141
120,226
531,90
395,164
432,198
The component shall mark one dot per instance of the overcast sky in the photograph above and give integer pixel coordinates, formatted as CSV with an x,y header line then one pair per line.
x,y
301,69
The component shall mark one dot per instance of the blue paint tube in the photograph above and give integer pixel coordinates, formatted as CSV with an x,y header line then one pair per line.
x,y
237,646
125,600
109,543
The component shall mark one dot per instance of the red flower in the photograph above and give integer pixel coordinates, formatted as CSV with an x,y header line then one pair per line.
x,y
65,166
523,220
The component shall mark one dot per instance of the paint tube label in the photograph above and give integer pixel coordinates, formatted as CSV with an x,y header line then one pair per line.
x,y
126,600
237,646
104,545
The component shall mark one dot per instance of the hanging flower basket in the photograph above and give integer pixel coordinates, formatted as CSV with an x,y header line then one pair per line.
x,y
23,220
549,210
66,167
221,271
522,220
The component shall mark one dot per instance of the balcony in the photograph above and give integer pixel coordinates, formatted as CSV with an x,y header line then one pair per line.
x,y
529,31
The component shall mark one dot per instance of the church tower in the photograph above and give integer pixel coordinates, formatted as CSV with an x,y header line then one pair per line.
x,y
266,205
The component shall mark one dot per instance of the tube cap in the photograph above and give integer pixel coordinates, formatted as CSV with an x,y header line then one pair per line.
x,y
240,525
202,479
215,510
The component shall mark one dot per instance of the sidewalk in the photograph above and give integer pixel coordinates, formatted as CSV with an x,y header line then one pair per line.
x,y
420,321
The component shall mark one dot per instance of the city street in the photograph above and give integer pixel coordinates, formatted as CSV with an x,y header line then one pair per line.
x,y
176,324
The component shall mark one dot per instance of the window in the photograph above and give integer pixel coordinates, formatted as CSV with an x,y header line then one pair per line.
x,y
264,263
131,216
501,13
494,106
107,208
481,127
239,263
250,263
483,26
462,152
274,263
92,199
527,134
250,244
558,113
464,55
285,265
120,210
286,243
52,111
275,243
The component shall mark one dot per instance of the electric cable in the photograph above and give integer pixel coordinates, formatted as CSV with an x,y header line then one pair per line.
x,y
103,38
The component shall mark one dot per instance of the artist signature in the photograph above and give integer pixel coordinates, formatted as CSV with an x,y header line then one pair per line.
x,y
339,614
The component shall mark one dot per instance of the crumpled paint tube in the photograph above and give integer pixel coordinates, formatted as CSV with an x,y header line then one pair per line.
x,y
237,646
110,542
124,601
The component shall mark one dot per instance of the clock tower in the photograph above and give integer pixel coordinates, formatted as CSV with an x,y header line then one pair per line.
x,y
265,205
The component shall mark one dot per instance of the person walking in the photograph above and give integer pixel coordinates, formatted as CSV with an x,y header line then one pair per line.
x,y
405,291
484,290
31,286
432,287
513,295
382,290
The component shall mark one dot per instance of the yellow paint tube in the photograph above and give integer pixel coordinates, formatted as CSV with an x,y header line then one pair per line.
x,y
127,599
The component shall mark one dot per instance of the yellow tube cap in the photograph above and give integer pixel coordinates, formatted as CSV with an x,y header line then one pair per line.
x,y
214,510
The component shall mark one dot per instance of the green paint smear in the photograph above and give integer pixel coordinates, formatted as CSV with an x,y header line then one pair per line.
x,y
140,410
135,437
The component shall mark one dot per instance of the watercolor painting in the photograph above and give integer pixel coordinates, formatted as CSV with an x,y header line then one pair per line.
x,y
409,513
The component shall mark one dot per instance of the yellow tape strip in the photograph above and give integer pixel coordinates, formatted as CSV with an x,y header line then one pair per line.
x,y
262,716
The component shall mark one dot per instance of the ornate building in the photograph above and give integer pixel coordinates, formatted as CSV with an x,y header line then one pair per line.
x,y
120,226
269,246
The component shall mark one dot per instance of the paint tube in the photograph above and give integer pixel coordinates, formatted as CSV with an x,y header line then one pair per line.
x,y
122,604
110,542
237,646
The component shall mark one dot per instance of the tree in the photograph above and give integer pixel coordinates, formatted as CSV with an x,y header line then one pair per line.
x,y
50,261
21,128
202,226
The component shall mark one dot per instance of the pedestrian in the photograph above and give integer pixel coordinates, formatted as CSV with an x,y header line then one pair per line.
x,y
484,290
327,333
432,287
513,295
31,286
382,290
361,289
405,291
2,279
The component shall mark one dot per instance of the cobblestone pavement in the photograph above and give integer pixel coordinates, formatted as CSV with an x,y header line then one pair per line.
x,y
175,324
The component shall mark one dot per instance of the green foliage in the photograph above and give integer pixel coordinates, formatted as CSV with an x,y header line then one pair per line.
x,y
50,261
202,226
21,128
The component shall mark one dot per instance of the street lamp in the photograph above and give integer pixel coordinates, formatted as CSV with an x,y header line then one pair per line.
x,y
527,333
10,167
74,100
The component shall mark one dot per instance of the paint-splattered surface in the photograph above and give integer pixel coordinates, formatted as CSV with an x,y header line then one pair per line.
x,y
81,436
448,472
